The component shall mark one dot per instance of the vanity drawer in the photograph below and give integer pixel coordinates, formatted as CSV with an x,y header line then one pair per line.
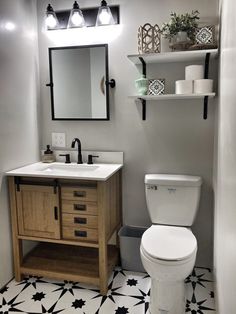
x,y
80,234
74,221
79,193
79,207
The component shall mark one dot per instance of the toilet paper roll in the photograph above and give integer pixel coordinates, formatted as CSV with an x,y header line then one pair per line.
x,y
203,86
184,87
194,72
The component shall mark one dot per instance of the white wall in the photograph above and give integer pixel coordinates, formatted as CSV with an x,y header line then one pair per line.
x,y
18,106
225,172
173,139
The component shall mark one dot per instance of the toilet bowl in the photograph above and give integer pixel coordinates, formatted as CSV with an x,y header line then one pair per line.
x,y
168,254
168,248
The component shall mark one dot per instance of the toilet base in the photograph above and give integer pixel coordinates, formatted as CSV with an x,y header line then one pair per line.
x,y
167,297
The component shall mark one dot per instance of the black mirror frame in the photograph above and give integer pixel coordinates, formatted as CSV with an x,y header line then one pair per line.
x,y
108,83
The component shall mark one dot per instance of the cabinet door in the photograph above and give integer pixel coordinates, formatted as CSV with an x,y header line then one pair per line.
x,y
37,210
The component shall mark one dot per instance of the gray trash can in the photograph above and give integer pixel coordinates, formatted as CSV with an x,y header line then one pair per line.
x,y
130,239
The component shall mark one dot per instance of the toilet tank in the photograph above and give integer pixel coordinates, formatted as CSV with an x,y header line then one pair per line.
x,y
172,199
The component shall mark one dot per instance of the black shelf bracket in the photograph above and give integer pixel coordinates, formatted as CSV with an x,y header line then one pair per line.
x,y
205,108
144,67
206,75
143,101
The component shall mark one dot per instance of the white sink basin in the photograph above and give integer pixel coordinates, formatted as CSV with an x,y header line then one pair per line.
x,y
69,168
67,171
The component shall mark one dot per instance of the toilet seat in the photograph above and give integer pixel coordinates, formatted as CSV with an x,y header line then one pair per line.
x,y
169,243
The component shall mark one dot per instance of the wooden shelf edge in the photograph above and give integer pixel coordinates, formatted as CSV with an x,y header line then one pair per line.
x,y
172,96
67,242
169,57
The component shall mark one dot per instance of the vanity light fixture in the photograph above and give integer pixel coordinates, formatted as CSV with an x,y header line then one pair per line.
x,y
104,16
51,18
76,18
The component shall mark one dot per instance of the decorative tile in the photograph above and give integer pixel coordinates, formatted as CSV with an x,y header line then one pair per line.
x,y
156,86
128,293
205,35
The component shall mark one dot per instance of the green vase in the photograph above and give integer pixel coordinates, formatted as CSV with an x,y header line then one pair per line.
x,y
142,85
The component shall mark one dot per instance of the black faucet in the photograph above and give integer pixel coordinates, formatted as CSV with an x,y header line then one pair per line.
x,y
76,140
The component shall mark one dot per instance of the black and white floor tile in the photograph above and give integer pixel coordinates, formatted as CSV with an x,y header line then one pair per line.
x,y
128,293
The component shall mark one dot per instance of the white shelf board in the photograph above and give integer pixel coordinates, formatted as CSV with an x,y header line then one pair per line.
x,y
173,96
177,56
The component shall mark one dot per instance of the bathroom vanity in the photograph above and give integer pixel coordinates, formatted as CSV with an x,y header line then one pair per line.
x,y
72,211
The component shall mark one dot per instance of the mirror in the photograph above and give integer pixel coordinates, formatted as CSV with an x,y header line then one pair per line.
x,y
78,82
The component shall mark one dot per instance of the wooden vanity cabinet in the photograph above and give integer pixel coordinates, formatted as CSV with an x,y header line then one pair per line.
x,y
73,221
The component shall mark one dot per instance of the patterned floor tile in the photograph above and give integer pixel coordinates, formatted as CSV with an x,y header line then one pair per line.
x,y
128,293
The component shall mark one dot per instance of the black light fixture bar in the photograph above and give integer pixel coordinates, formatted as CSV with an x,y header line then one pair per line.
x,y
90,16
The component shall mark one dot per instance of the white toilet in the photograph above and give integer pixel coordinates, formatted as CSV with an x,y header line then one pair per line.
x,y
168,248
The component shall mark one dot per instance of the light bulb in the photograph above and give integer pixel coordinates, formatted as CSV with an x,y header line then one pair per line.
x,y
51,18
76,18
104,17
51,22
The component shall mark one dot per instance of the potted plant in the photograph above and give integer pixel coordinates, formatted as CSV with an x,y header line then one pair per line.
x,y
181,27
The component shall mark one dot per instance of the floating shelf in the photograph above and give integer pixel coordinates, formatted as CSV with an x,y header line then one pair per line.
x,y
168,57
173,96
178,56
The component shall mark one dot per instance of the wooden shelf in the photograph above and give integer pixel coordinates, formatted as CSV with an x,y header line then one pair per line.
x,y
168,57
66,262
173,96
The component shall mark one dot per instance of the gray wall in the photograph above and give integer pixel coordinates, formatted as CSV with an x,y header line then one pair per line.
x,y
18,106
173,139
225,170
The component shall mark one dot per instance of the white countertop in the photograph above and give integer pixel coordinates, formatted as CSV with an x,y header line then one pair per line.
x,y
97,171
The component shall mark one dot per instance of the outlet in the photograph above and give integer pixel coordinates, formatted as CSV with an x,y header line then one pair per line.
x,y
58,140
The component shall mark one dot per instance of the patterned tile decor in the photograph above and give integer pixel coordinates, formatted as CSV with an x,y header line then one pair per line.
x,y
205,35
156,86
129,293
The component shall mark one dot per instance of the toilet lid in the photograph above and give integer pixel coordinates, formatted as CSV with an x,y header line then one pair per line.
x,y
169,242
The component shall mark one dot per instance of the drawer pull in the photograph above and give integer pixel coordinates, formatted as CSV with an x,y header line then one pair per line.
x,y
79,220
82,234
79,193
79,207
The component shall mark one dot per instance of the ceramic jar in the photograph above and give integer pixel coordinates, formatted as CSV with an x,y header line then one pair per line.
x,y
142,85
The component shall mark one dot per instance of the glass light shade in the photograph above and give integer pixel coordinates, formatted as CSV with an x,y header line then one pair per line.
x,y
51,18
76,18
104,16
